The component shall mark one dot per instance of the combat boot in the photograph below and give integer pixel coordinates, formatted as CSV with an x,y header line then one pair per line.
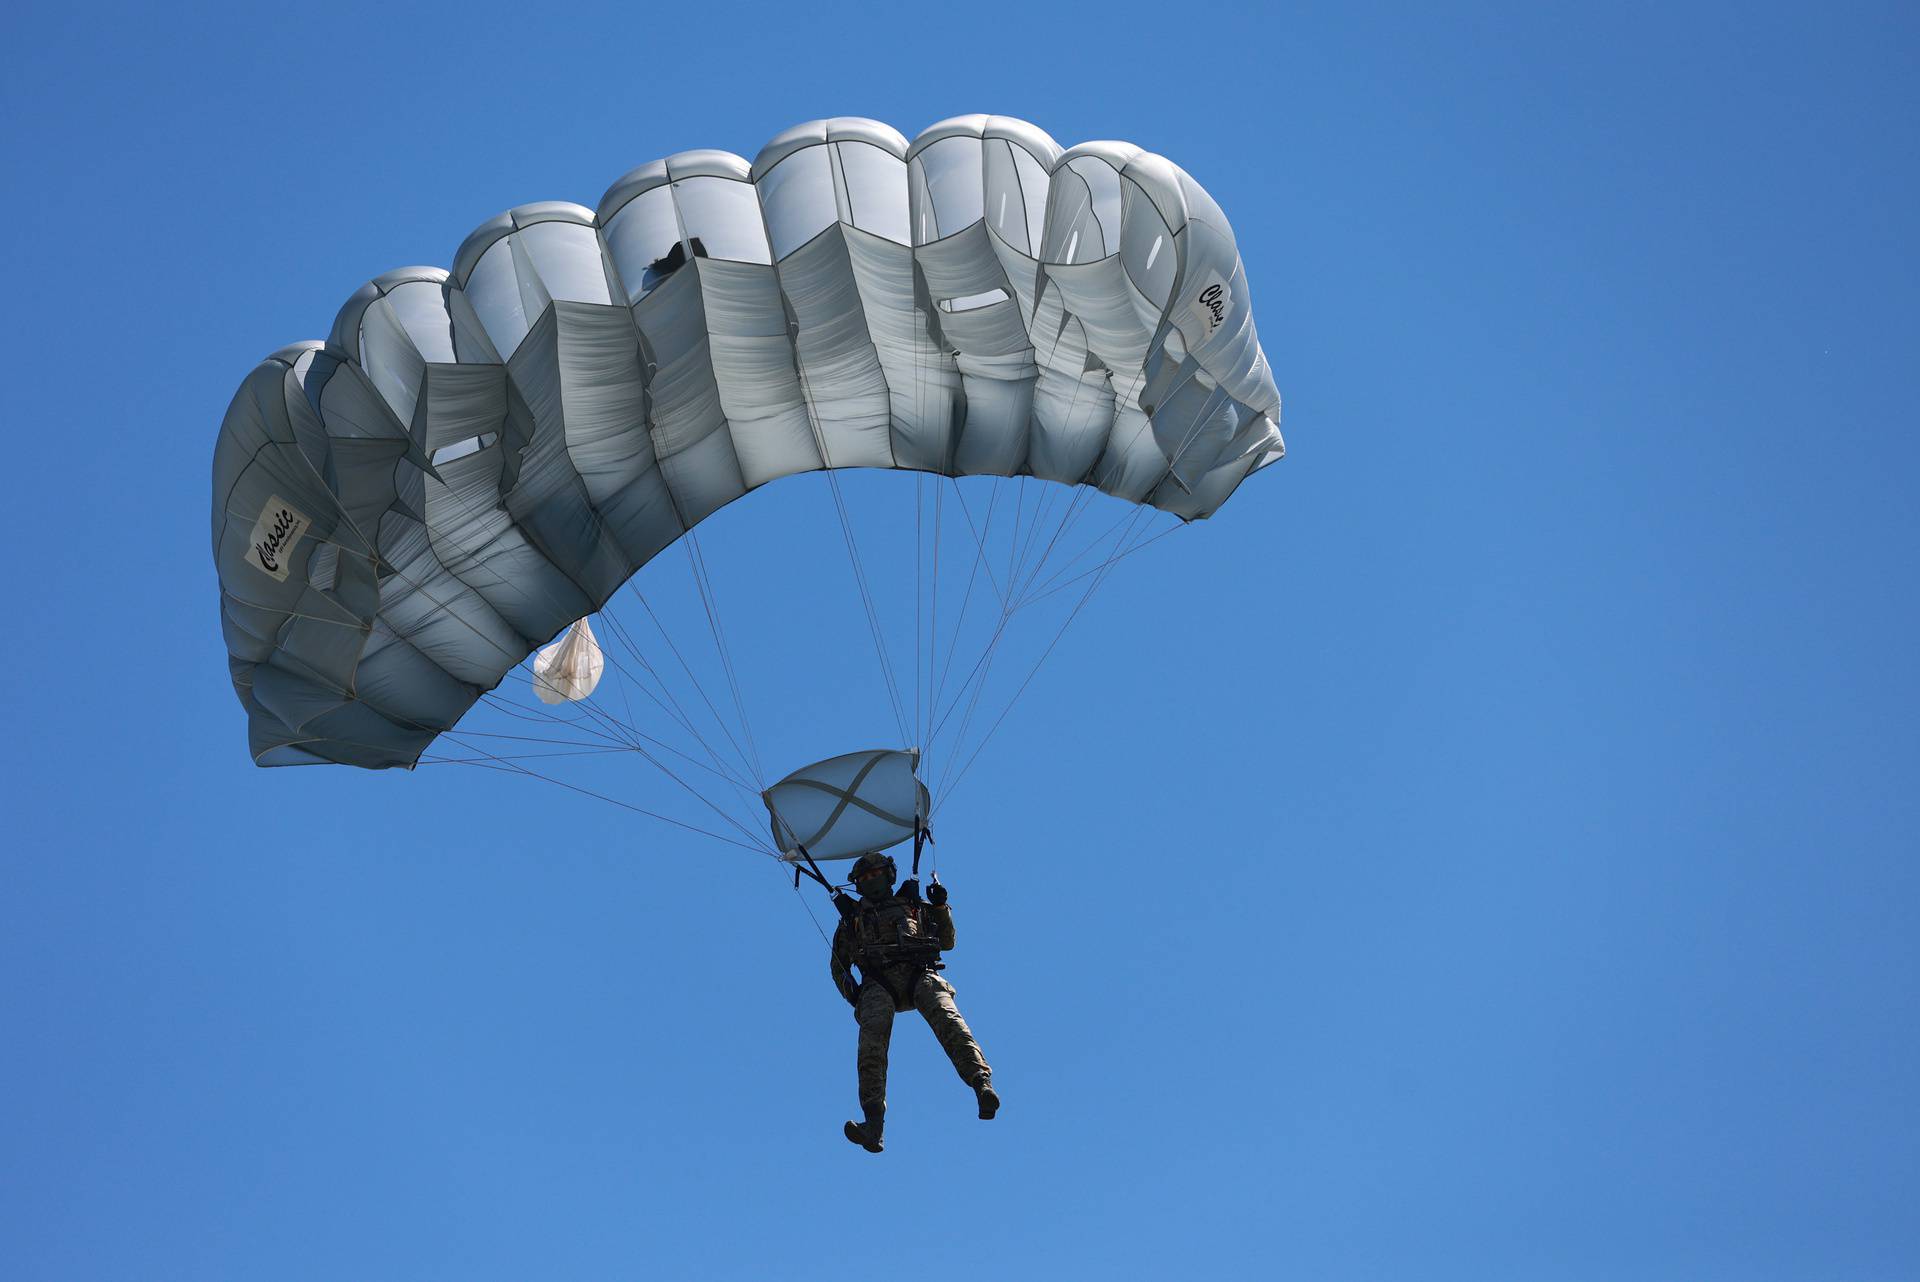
x,y
988,1097
866,1134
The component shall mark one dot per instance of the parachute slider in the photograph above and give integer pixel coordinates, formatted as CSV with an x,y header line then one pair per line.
x,y
845,806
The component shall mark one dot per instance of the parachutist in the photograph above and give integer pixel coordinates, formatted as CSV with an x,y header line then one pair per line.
x,y
896,939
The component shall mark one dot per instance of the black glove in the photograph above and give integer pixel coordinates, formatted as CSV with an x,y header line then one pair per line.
x,y
910,888
936,894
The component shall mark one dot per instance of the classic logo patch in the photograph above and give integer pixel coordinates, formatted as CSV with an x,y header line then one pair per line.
x,y
274,536
1209,306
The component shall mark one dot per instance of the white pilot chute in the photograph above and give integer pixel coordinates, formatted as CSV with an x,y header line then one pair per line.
x,y
569,669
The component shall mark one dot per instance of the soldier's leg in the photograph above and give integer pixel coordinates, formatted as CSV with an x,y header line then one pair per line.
x,y
933,996
875,1013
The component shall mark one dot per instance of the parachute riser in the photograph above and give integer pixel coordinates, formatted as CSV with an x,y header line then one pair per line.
x,y
842,903
922,836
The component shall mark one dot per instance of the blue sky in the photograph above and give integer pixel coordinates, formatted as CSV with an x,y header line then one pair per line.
x,y
1485,850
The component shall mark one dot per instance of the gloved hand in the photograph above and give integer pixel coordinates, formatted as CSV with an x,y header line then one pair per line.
x,y
936,893
910,888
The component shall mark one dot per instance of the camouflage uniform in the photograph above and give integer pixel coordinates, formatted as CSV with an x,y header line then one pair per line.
x,y
876,925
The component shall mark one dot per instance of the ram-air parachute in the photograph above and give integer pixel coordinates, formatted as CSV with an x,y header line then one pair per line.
x,y
476,460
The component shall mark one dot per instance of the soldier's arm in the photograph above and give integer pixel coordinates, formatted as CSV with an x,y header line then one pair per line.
x,y
940,924
840,963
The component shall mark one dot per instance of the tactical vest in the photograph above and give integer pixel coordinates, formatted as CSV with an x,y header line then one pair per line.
x,y
895,922
893,934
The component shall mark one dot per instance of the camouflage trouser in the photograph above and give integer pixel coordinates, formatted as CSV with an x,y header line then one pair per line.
x,y
933,997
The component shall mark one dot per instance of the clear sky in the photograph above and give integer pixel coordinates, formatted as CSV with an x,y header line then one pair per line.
x,y
1485,850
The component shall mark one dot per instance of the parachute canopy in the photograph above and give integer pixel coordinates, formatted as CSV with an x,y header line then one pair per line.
x,y
476,458
845,806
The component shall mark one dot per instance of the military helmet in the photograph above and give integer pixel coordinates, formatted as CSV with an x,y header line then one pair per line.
x,y
874,860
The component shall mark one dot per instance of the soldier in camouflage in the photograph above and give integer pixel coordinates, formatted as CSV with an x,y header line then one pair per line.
x,y
895,938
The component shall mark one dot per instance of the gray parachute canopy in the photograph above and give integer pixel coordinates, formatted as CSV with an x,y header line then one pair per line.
x,y
477,458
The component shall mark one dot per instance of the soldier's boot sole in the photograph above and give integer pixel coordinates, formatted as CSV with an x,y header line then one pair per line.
x,y
858,1135
989,1101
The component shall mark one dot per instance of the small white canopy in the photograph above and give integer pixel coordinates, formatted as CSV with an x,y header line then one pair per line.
x,y
569,669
